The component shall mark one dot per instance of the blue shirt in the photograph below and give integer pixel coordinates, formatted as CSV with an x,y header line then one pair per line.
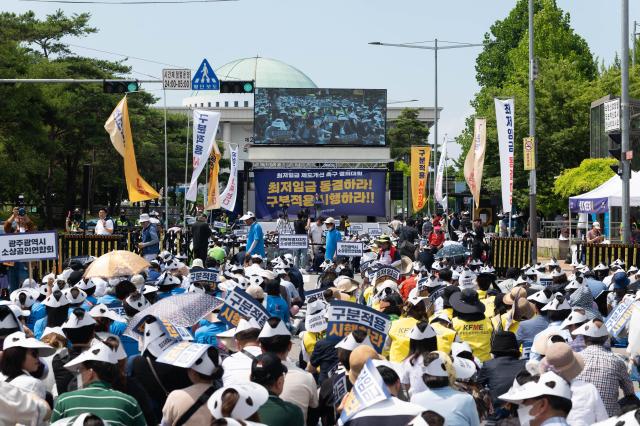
x,y
129,345
162,294
333,237
150,233
277,307
527,331
208,331
39,327
38,311
255,234
458,408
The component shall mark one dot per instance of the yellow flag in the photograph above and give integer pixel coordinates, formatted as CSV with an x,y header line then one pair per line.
x,y
474,163
214,169
119,129
420,156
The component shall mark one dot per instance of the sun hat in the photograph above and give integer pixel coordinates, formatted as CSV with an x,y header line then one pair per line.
x,y
102,311
77,319
591,329
540,297
515,293
19,340
30,296
467,302
427,333
566,363
243,325
439,367
358,358
464,368
345,284
557,303
255,291
504,343
620,280
549,384
97,352
279,330
247,216
524,308
251,396
144,217
543,339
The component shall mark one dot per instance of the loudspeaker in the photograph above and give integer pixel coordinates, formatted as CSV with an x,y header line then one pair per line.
x,y
396,185
86,185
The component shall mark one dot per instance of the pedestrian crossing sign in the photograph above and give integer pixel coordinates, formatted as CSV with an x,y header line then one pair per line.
x,y
205,78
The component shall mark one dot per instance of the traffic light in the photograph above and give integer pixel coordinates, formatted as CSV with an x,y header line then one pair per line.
x,y
615,149
236,86
120,86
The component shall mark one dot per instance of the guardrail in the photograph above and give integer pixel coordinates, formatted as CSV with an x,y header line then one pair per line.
x,y
509,252
593,254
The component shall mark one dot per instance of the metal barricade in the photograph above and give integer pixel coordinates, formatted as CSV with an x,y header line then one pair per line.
x,y
510,252
593,254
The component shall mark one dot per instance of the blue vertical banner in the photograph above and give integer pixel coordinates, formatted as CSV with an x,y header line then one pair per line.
x,y
335,191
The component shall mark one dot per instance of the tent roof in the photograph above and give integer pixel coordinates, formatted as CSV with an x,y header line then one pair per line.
x,y
611,190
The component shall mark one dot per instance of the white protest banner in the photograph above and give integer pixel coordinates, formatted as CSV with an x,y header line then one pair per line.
x,y
239,304
228,196
621,315
506,138
440,176
368,389
183,354
293,241
356,228
205,127
208,275
344,317
350,248
374,232
21,247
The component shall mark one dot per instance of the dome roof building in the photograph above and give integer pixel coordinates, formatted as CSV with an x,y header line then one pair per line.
x,y
265,72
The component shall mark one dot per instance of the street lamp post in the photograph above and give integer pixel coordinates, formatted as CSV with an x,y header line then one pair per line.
x,y
533,213
624,128
436,46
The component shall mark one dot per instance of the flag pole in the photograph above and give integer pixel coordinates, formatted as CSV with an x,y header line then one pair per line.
x,y
166,167
186,176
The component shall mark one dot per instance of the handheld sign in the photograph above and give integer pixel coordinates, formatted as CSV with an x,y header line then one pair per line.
x,y
368,389
350,248
374,232
619,318
387,271
208,275
183,354
312,295
239,304
205,78
21,247
219,225
356,228
293,241
344,317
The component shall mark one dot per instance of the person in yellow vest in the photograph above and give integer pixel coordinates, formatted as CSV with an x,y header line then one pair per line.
x,y
470,323
484,280
315,325
503,319
422,341
347,286
441,323
414,311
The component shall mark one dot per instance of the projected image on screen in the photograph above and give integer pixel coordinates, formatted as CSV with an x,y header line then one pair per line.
x,y
320,117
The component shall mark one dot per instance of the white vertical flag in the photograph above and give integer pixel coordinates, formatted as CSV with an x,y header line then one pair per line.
x,y
440,175
506,138
228,196
205,127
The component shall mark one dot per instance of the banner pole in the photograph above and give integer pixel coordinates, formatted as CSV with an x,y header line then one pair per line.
x,y
186,176
166,167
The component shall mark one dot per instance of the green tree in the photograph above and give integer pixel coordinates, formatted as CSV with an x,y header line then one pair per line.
x,y
406,131
564,90
590,174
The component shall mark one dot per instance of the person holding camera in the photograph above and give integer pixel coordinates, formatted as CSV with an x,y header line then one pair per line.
x,y
18,222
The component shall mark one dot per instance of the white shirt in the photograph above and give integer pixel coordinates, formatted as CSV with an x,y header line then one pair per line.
x,y
17,406
587,406
316,231
30,384
237,367
412,375
291,289
299,388
101,229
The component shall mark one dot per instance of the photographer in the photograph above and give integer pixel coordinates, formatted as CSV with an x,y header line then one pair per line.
x,y
18,222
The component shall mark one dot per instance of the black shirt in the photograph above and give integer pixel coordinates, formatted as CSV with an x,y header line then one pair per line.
x,y
299,226
201,233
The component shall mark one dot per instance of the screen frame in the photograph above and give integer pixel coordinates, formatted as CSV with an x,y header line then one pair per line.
x,y
316,145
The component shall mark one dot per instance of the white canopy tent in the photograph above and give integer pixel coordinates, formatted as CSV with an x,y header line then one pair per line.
x,y
608,195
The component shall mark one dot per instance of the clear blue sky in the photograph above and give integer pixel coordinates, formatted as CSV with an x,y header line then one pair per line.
x,y
327,40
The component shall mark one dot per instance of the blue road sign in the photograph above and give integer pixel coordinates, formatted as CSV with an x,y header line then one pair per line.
x,y
205,78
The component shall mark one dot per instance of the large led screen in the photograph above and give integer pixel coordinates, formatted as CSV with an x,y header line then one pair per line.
x,y
320,116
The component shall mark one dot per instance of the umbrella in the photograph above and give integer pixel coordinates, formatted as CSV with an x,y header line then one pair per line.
x,y
451,250
117,263
181,310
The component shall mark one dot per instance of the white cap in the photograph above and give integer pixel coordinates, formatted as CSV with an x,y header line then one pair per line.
x,y
248,215
575,317
438,367
167,279
102,311
464,368
539,297
279,330
20,340
55,302
85,284
600,267
79,298
97,352
11,320
195,289
243,325
590,329
54,330
77,319
349,343
144,217
30,297
556,305
467,280
140,304
329,220
458,347
548,384
573,285
251,397
416,334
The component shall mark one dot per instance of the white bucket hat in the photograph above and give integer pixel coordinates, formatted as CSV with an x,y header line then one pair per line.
x,y
590,329
251,397
20,340
102,311
575,317
549,383
97,352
